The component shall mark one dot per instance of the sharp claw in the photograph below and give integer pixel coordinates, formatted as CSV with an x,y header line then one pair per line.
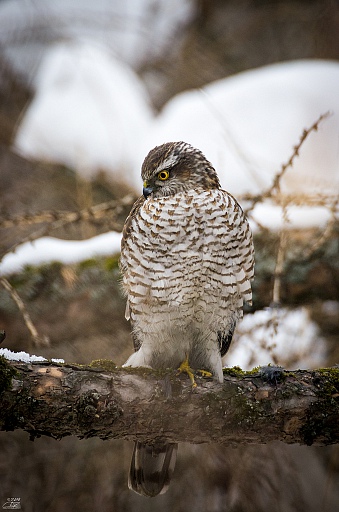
x,y
185,368
205,373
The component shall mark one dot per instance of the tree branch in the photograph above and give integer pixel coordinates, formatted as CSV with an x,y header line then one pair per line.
x,y
108,402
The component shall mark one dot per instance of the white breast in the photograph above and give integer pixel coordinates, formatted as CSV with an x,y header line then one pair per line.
x,y
188,263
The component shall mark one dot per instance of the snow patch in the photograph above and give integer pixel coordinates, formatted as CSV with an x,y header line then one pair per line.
x,y
25,357
47,249
280,336
273,217
89,113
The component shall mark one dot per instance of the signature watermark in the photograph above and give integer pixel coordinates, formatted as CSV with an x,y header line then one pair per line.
x,y
12,504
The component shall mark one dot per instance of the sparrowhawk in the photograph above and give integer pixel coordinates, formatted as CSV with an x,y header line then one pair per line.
x,y
187,260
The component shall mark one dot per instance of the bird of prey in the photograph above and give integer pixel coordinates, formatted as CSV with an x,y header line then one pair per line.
x,y
187,261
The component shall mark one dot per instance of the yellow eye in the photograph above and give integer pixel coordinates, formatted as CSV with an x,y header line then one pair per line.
x,y
144,184
163,175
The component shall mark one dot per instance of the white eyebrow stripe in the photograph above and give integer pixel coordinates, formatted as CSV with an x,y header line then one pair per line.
x,y
169,162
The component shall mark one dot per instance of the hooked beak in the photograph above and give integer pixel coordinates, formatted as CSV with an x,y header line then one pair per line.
x,y
147,190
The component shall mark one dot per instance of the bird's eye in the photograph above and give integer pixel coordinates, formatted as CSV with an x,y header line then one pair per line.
x,y
163,175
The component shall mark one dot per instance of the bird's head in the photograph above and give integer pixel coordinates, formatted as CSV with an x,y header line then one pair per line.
x,y
175,167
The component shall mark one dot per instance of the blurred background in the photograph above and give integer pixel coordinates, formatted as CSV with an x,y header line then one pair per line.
x,y
86,90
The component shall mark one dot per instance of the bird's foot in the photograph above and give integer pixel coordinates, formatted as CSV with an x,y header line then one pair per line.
x,y
205,373
185,368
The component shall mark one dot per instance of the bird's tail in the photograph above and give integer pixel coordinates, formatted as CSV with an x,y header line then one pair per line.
x,y
152,468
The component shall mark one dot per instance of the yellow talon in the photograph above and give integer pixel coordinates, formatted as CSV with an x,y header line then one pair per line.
x,y
185,368
205,373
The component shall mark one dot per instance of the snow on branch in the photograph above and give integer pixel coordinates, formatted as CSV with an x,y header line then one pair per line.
x,y
102,400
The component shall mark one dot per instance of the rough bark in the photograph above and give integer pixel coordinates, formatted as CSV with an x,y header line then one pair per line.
x,y
101,400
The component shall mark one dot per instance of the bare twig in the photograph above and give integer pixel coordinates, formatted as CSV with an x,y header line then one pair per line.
x,y
38,340
274,189
276,182
327,232
279,266
57,218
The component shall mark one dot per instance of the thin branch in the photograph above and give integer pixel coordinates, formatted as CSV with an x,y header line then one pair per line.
x,y
96,212
327,232
107,211
296,149
279,266
275,187
37,339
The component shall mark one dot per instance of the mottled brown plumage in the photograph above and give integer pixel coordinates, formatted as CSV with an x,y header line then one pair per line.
x,y
187,262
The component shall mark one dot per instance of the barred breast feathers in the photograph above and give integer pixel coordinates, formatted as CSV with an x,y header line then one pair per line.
x,y
186,222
